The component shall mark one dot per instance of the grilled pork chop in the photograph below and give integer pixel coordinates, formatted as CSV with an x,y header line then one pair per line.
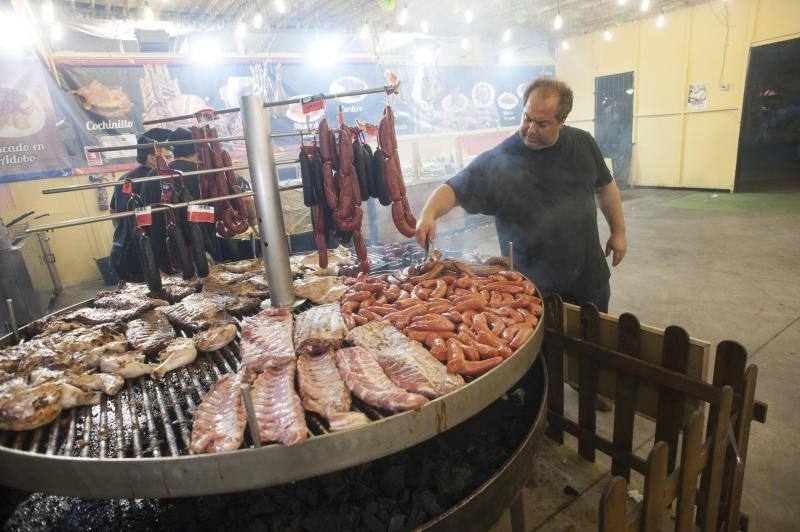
x,y
178,353
123,301
151,332
319,329
365,378
406,362
196,312
267,340
215,337
97,316
279,412
220,419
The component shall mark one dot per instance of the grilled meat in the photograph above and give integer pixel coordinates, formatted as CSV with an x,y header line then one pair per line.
x,y
24,407
365,378
215,337
320,290
405,361
97,316
72,396
220,418
321,386
339,421
242,266
267,340
178,353
279,412
127,365
49,325
151,332
124,301
236,284
196,312
319,329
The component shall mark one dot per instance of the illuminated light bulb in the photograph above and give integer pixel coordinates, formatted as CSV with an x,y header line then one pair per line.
x,y
558,22
403,18
622,2
258,20
464,43
241,30
424,26
564,45
468,16
506,57
607,35
645,5
660,21
280,6
507,35
365,31
148,13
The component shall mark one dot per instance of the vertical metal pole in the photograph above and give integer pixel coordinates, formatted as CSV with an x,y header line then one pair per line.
x,y
511,255
264,178
12,317
252,423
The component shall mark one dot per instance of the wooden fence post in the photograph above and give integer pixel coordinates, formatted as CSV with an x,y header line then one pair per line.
x,y
708,511
628,342
675,356
655,481
554,318
691,466
612,506
587,380
742,431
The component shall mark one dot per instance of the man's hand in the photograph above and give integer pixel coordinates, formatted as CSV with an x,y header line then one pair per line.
x,y
426,230
619,245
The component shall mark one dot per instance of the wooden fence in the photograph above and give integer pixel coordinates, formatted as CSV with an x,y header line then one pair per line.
x,y
716,459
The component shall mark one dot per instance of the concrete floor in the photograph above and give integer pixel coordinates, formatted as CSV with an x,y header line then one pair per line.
x,y
722,269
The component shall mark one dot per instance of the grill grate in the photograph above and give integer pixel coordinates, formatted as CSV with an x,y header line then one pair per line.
x,y
147,418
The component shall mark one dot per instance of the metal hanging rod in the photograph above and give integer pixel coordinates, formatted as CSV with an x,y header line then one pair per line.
x,y
165,207
389,89
104,184
167,143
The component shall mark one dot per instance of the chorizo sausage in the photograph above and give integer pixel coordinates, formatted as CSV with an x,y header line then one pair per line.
x,y
472,368
520,338
470,304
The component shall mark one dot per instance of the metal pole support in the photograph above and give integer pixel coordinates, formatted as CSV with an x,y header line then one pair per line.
x,y
12,318
264,178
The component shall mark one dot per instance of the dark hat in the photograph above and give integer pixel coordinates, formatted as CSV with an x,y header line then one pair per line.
x,y
185,150
158,134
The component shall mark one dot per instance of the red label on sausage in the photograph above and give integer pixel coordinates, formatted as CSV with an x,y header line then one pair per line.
x,y
200,213
312,103
144,216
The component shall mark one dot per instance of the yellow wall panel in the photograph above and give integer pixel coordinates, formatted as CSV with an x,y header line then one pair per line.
x,y
710,147
658,151
575,66
74,247
777,19
618,54
662,67
708,50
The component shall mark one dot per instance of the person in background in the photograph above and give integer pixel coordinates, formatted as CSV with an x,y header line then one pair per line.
x,y
123,256
185,160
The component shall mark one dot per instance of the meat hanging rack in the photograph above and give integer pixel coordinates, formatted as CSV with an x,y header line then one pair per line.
x,y
136,443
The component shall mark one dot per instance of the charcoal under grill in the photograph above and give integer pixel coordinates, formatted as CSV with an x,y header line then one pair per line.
x,y
135,444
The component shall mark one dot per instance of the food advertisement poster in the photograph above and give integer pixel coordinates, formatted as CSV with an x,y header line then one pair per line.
x,y
30,145
105,103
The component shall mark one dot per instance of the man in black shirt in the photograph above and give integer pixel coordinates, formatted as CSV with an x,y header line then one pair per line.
x,y
540,185
124,258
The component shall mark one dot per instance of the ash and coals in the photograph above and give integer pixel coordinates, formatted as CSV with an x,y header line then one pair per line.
x,y
399,492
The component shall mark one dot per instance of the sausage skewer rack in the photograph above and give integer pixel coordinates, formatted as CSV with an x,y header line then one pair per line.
x,y
135,444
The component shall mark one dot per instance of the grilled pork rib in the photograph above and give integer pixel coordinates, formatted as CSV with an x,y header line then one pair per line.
x,y
365,378
405,361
